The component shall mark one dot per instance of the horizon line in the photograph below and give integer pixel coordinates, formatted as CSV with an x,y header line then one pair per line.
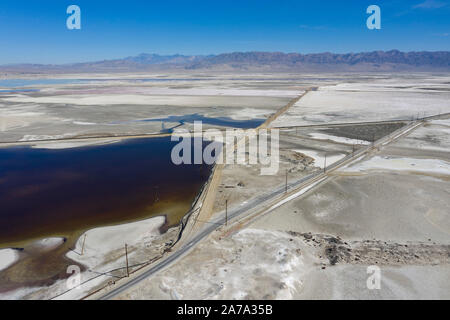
x,y
216,54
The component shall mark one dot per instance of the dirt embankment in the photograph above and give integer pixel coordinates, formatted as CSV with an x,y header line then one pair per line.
x,y
375,252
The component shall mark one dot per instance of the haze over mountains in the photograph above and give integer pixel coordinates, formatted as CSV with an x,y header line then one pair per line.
x,y
393,60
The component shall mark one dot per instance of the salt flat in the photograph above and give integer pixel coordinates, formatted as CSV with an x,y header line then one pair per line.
x,y
390,208
115,105
371,100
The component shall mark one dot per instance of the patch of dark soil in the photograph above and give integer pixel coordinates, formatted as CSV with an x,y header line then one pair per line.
x,y
371,132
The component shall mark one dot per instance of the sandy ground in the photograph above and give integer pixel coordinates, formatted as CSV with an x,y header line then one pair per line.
x,y
363,208
404,282
245,266
240,183
319,157
263,264
320,245
383,196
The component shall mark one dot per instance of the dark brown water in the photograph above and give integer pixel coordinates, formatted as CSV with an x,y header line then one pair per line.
x,y
63,192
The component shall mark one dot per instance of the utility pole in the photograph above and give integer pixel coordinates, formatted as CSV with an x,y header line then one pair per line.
x,y
82,248
226,212
325,164
126,257
286,187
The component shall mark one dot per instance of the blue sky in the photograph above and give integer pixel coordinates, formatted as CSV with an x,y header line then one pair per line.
x,y
34,31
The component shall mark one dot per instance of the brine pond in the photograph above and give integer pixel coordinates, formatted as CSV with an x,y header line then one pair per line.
x,y
63,193
56,192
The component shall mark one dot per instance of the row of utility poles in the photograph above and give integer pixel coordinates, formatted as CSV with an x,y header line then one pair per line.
x,y
226,204
226,207
226,210
226,215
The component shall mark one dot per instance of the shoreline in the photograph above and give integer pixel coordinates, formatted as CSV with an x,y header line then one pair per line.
x,y
100,254
163,230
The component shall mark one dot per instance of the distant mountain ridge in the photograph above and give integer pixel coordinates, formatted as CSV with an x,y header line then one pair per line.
x,y
394,56
392,60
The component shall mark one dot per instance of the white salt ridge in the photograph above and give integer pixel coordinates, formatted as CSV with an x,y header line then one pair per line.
x,y
430,166
323,136
288,268
100,252
444,122
101,242
72,144
48,243
249,113
81,123
173,97
265,257
30,137
7,258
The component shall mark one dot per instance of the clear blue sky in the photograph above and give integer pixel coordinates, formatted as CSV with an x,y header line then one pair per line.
x,y
35,30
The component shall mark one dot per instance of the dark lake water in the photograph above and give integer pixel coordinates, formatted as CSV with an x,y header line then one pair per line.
x,y
217,121
18,90
63,192
13,83
191,118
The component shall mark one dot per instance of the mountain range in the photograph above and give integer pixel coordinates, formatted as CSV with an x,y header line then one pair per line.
x,y
385,61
